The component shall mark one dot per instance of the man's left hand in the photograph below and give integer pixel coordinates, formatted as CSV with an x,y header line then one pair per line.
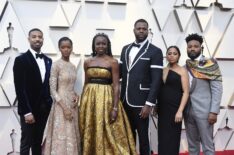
x,y
145,111
212,118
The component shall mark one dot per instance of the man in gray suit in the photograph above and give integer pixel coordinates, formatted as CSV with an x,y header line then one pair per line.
x,y
205,97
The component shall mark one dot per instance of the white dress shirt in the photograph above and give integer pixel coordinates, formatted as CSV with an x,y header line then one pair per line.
x,y
40,63
134,51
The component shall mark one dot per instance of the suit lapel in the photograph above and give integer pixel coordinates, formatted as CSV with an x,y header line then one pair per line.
x,y
47,66
192,79
193,84
127,55
142,51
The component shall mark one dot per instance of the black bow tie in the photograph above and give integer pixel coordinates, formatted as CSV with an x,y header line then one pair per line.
x,y
39,56
136,45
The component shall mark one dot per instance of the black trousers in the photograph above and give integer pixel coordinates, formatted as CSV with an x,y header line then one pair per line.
x,y
32,134
140,125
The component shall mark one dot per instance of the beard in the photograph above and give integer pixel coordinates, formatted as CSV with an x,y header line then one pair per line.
x,y
193,55
140,39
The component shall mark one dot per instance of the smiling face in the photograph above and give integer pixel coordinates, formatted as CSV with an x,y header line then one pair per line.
x,y
100,44
35,39
172,55
141,31
66,48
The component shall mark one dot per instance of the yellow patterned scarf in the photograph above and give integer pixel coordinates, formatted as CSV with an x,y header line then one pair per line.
x,y
209,70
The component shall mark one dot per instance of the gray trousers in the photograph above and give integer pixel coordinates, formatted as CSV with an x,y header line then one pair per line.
x,y
199,131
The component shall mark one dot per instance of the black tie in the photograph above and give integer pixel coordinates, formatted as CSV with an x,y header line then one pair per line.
x,y
136,45
39,56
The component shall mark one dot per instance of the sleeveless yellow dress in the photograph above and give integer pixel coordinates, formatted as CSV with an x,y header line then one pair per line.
x,y
98,136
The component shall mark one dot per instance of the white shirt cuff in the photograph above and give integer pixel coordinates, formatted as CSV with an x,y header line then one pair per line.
x,y
149,103
27,114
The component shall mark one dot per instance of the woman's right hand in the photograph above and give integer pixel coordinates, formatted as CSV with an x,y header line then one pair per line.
x,y
68,114
113,115
66,111
179,117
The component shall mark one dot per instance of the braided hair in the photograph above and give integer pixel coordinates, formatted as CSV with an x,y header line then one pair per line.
x,y
108,52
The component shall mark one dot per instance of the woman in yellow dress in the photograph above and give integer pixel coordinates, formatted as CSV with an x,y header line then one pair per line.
x,y
104,127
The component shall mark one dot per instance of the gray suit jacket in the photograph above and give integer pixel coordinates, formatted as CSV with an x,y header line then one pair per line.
x,y
205,97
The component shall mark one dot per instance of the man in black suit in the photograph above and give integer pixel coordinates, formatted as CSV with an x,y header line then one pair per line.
x,y
31,77
141,66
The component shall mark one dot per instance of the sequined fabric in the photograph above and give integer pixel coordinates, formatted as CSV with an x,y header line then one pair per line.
x,y
62,136
98,136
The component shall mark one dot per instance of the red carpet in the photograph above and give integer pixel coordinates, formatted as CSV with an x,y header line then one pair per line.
x,y
226,152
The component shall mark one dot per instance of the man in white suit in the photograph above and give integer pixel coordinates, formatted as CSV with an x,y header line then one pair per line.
x,y
205,97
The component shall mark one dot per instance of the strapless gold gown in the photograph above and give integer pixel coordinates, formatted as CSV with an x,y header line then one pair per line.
x,y
98,136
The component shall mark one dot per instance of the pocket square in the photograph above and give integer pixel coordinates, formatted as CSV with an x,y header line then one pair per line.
x,y
145,58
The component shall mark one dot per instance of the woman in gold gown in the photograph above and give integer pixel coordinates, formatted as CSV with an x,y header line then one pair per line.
x,y
104,126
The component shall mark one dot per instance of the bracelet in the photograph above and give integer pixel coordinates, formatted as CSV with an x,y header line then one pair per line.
x,y
115,109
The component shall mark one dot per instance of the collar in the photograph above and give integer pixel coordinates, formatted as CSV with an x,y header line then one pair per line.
x,y
34,52
141,43
198,58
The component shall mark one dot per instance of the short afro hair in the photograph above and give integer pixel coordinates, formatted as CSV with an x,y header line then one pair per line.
x,y
194,36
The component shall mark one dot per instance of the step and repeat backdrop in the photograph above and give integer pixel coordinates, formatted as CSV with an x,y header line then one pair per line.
x,y
170,21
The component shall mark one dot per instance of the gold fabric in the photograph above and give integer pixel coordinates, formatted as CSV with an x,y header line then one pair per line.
x,y
208,71
98,136
62,136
